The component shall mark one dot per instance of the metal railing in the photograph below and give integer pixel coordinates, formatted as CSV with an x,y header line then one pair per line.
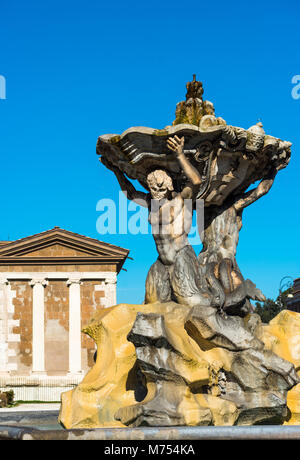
x,y
41,388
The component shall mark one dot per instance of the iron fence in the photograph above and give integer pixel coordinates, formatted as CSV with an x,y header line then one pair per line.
x,y
28,388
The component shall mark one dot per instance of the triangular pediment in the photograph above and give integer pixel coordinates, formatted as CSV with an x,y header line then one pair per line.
x,y
59,244
55,250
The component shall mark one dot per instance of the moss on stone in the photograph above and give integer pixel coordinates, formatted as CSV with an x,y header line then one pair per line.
x,y
115,139
160,132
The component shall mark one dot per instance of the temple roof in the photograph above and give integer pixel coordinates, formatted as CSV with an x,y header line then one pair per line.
x,y
59,246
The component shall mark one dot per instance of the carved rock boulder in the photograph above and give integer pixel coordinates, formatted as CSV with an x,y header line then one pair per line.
x,y
165,364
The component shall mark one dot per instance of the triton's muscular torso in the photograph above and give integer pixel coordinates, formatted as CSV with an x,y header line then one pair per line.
x,y
171,222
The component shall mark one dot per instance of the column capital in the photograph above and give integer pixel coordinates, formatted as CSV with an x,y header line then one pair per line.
x,y
3,281
111,278
73,280
38,280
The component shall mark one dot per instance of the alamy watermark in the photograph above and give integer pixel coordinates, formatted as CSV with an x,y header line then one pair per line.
x,y
296,88
132,217
2,87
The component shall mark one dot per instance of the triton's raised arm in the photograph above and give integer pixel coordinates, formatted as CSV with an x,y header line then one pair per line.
x,y
176,144
252,195
126,186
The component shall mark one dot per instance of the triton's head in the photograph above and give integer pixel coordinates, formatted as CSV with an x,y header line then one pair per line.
x,y
160,184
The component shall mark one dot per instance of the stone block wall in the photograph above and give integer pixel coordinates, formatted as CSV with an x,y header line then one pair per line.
x,y
92,298
56,327
16,325
9,329
21,347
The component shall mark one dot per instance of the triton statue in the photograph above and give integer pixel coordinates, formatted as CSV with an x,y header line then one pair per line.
x,y
213,162
175,275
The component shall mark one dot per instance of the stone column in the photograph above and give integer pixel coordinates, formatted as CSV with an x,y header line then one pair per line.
x,y
4,327
74,326
38,325
111,290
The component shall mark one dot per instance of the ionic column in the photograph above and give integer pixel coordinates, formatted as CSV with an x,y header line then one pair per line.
x,y
4,306
4,327
111,290
38,324
74,326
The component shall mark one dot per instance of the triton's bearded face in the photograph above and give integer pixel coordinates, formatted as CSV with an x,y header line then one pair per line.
x,y
160,184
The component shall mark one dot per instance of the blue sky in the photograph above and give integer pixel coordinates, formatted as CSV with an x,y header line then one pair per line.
x,y
76,70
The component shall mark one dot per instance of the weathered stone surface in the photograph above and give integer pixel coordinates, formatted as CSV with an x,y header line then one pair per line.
x,y
257,379
155,367
211,329
282,336
117,379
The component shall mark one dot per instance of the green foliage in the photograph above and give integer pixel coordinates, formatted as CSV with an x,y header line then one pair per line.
x,y
268,310
34,401
10,397
7,398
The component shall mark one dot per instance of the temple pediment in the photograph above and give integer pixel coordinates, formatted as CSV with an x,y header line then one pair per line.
x,y
56,250
60,246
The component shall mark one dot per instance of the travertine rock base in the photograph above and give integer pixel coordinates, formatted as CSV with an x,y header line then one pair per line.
x,y
166,364
282,336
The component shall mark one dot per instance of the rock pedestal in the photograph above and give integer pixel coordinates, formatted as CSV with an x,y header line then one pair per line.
x,y
172,365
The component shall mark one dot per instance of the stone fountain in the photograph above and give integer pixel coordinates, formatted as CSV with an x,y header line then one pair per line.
x,y
194,353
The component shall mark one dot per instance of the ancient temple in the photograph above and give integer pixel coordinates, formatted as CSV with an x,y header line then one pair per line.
x,y
51,284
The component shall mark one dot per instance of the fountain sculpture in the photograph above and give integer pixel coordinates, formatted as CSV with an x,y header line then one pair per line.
x,y
195,352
